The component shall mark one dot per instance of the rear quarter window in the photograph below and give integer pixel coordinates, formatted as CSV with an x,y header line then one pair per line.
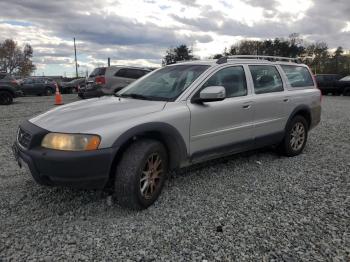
x,y
298,76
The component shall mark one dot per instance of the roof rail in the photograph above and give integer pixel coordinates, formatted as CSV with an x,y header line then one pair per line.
x,y
224,59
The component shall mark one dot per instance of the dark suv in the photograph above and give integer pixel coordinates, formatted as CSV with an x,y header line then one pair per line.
x,y
334,84
38,86
9,89
109,80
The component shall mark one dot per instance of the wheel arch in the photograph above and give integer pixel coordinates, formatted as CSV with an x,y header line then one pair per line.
x,y
168,135
302,110
8,89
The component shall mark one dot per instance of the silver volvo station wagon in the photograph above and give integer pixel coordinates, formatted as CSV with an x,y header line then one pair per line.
x,y
173,117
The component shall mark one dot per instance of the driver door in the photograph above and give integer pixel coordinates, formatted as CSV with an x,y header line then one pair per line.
x,y
224,126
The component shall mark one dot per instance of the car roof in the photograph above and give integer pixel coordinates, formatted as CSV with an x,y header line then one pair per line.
x,y
131,67
213,62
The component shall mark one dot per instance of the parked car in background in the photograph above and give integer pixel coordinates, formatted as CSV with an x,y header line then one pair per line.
x,y
72,86
38,86
333,84
176,116
345,83
109,80
9,88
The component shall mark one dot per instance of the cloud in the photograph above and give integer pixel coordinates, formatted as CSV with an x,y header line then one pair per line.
x,y
139,31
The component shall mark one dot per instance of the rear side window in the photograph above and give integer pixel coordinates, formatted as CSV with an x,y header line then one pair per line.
x,y
298,76
99,71
130,73
266,79
232,78
133,73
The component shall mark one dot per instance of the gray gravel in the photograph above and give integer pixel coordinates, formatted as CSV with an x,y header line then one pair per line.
x,y
252,206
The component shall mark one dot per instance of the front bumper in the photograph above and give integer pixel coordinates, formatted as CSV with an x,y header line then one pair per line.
x,y
87,169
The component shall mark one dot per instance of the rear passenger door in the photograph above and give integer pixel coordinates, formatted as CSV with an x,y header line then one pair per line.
x,y
28,86
269,103
223,126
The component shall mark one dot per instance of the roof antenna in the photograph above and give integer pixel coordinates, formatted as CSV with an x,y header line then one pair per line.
x,y
222,60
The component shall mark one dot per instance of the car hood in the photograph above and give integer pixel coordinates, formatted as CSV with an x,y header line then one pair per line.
x,y
88,115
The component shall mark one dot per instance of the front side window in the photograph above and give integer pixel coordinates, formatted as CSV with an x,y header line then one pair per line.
x,y
232,79
28,81
298,76
165,84
266,79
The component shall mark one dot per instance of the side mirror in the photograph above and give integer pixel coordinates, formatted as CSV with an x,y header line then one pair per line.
x,y
211,94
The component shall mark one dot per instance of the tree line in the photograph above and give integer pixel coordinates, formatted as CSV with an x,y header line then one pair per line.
x,y
16,60
316,55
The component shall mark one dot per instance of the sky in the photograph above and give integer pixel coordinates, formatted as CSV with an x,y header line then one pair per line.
x,y
138,32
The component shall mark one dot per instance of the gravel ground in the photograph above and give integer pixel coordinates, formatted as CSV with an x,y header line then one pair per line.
x,y
252,206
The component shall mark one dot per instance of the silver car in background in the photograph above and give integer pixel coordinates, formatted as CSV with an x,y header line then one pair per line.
x,y
109,80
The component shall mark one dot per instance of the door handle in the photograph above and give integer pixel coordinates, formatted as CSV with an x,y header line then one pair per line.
x,y
246,106
286,100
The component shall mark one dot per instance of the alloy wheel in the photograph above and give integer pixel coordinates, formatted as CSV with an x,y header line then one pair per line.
x,y
151,176
297,136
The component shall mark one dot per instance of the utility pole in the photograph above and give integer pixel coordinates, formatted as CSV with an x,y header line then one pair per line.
x,y
109,62
76,62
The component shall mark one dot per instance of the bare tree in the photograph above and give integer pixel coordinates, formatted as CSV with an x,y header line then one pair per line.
x,y
14,60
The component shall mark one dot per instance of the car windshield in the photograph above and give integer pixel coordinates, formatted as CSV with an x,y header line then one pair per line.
x,y
347,78
165,84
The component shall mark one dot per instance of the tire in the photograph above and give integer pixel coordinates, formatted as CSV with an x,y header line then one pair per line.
x,y
297,129
133,188
6,98
48,91
346,91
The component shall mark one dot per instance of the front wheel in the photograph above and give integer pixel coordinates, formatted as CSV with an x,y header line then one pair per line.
x,y
141,174
295,137
6,98
346,91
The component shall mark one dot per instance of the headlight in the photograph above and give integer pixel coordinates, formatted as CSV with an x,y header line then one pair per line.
x,y
71,142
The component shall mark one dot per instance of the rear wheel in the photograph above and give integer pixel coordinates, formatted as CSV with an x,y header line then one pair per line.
x,y
295,138
6,98
346,91
141,173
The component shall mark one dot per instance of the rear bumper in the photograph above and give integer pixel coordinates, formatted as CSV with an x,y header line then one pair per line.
x,y
85,169
89,93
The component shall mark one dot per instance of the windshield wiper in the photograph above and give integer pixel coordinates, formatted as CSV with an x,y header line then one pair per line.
x,y
138,96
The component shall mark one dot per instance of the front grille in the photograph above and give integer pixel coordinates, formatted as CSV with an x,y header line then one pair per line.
x,y
23,138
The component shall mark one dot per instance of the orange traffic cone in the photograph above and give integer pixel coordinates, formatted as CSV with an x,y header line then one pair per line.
x,y
58,97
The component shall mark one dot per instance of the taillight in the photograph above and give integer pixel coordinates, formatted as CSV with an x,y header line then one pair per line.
x,y
100,80
315,82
